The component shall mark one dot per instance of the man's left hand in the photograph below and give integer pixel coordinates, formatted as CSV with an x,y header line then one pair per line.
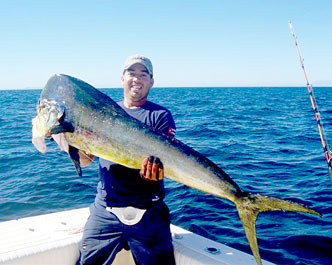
x,y
152,169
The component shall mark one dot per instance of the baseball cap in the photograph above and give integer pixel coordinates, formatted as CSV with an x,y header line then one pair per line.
x,y
140,59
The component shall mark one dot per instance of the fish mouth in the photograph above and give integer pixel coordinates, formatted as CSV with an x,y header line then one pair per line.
x,y
50,114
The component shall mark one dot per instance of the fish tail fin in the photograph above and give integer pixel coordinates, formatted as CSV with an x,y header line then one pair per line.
x,y
251,205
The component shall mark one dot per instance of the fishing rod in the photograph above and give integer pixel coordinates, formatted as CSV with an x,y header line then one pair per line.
x,y
314,105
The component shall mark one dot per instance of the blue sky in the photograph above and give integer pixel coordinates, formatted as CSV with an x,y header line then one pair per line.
x,y
190,43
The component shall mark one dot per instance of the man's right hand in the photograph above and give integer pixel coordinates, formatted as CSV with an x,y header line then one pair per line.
x,y
84,158
60,139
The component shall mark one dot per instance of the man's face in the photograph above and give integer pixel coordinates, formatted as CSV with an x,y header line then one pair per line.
x,y
136,82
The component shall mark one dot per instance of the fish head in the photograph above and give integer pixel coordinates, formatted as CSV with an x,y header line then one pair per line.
x,y
50,115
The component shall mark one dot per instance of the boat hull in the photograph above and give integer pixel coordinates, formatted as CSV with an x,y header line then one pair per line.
x,y
53,239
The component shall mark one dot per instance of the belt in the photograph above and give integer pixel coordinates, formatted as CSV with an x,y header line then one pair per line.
x,y
127,215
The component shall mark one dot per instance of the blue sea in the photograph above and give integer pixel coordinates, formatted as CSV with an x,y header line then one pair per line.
x,y
265,138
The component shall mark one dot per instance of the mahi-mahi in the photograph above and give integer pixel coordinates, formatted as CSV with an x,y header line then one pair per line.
x,y
93,123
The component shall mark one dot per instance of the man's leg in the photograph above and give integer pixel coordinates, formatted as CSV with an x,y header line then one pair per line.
x,y
102,238
150,240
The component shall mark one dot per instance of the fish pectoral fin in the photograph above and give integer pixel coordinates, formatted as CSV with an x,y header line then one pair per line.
x,y
62,128
73,154
251,205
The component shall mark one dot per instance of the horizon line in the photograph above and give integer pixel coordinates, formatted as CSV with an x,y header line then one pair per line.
x,y
242,86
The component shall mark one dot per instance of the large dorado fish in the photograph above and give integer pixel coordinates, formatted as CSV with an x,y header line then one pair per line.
x,y
94,123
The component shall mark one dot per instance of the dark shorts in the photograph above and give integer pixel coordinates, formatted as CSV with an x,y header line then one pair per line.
x,y
150,240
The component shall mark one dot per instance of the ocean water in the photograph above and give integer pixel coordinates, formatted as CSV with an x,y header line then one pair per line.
x,y
265,138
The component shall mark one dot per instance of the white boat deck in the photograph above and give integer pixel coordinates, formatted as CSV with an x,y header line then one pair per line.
x,y
52,239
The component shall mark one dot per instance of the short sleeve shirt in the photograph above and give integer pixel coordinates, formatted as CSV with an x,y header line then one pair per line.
x,y
120,186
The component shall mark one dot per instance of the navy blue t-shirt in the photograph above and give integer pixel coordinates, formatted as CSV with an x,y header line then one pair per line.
x,y
120,186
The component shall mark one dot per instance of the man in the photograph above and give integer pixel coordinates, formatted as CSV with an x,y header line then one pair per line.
x,y
129,211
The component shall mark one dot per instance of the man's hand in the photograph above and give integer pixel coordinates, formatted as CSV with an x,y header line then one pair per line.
x,y
152,169
60,139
